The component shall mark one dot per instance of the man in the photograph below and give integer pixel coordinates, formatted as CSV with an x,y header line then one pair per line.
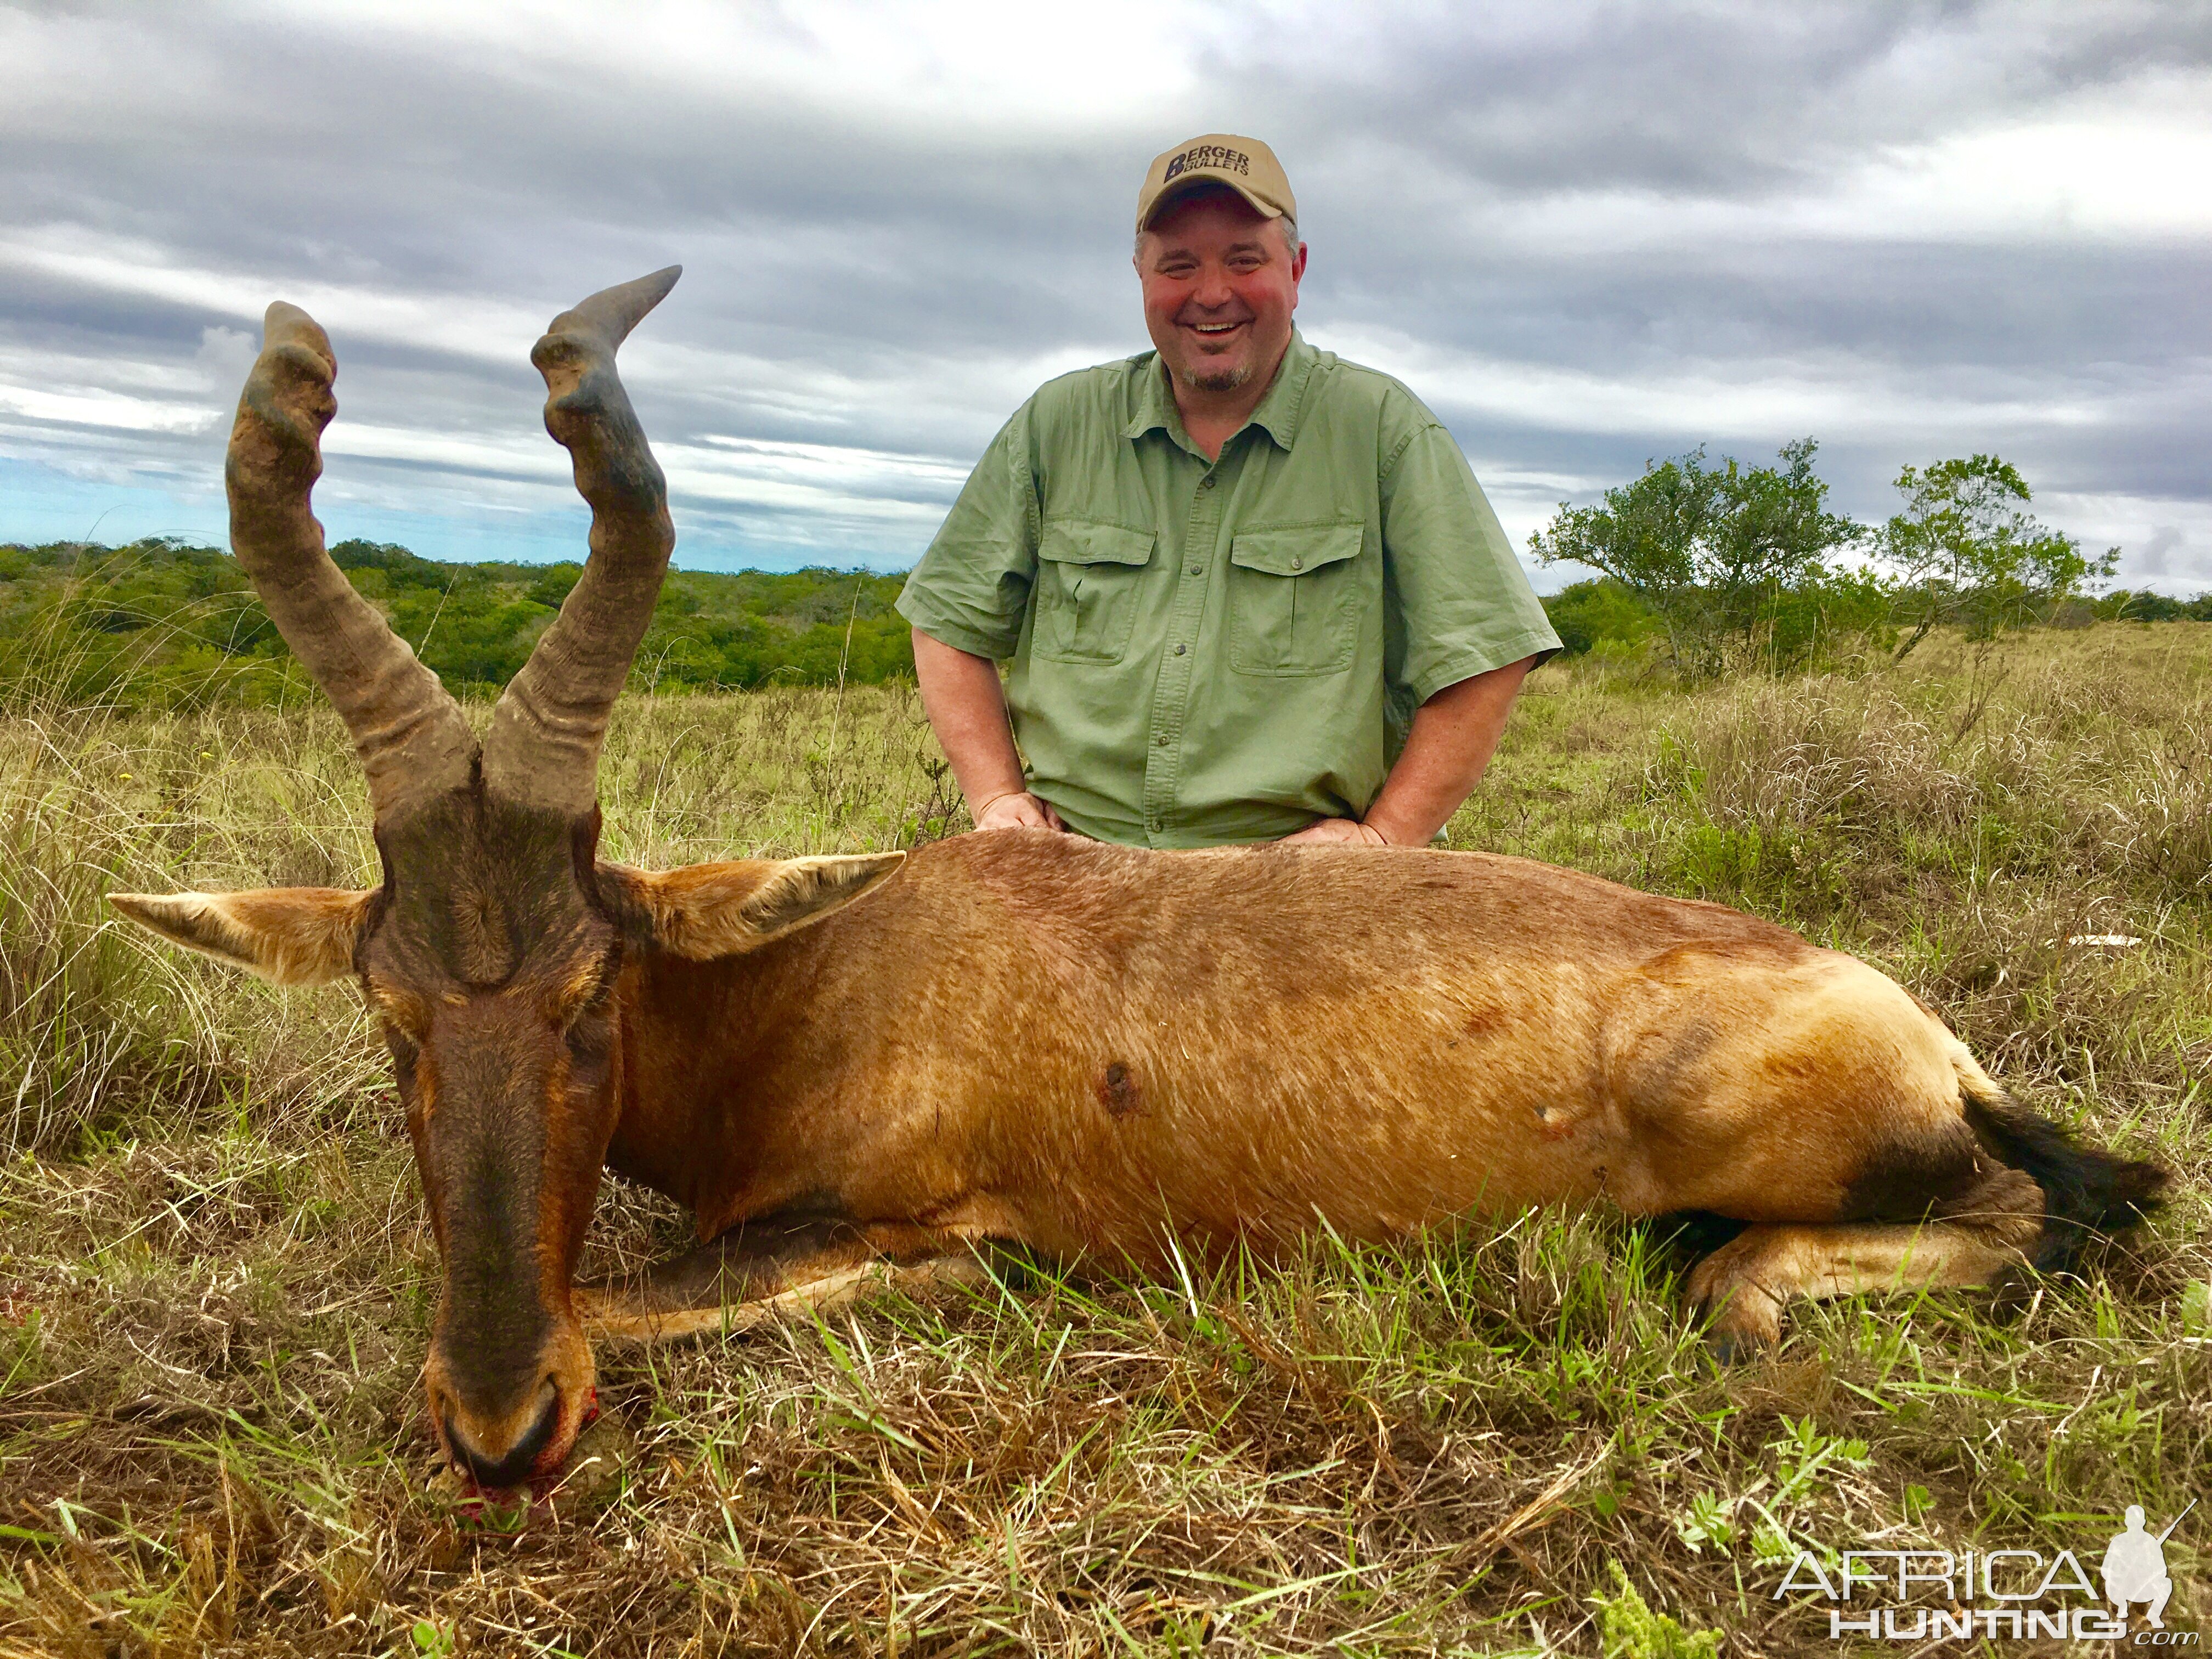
x,y
1249,591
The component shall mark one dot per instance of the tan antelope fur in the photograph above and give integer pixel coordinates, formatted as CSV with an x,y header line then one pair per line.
x,y
1097,1053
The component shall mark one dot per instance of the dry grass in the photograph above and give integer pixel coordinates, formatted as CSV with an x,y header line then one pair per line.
x,y
215,1275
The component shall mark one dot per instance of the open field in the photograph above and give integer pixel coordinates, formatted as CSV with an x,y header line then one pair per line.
x,y
215,1277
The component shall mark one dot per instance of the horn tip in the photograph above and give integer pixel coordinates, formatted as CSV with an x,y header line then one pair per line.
x,y
284,323
648,291
611,313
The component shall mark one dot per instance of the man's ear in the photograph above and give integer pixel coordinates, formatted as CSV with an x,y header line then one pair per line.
x,y
288,935
712,910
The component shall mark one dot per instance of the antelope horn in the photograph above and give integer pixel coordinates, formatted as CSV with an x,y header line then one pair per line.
x,y
413,741
543,748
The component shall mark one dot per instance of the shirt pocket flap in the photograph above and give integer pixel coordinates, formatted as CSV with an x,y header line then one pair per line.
x,y
1074,541
1294,552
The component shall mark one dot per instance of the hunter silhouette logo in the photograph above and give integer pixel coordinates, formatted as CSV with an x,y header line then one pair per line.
x,y
2006,1593
2135,1567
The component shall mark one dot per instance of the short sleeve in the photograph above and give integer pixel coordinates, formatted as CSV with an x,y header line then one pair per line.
x,y
972,586
1461,604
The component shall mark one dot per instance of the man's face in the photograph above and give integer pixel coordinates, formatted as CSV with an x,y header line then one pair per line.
x,y
1220,286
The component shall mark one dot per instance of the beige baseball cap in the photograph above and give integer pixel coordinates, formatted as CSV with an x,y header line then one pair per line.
x,y
1245,164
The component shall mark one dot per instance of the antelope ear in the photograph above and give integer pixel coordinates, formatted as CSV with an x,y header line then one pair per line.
x,y
712,910
288,935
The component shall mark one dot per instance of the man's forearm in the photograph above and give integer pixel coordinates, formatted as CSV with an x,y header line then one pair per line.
x,y
960,693
1455,733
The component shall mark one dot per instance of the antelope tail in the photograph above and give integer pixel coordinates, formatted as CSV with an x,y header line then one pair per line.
x,y
2086,1192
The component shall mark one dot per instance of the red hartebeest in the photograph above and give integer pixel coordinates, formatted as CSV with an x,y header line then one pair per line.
x,y
1026,1037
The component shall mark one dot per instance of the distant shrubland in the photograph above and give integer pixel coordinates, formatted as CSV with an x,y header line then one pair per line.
x,y
1601,613
1706,565
160,623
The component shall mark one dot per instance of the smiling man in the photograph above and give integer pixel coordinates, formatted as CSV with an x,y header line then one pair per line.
x,y
1249,591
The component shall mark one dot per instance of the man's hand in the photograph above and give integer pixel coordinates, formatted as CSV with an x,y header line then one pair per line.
x,y
1453,733
1017,809
1351,830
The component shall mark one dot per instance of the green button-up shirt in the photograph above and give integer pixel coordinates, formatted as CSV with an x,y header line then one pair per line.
x,y
1209,651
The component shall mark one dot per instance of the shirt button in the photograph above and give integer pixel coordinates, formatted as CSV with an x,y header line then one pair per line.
x,y
1298,564
1206,483
1178,651
1161,740
1196,571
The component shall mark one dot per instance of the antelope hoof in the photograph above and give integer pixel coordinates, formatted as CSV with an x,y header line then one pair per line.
x,y
1746,1318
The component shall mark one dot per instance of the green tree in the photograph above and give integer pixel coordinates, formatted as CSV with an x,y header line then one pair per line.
x,y
1965,550
1731,557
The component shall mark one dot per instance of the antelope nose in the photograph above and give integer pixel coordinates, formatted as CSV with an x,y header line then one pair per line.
x,y
474,1443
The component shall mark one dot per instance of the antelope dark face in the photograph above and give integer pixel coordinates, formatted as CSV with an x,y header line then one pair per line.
x,y
491,972
491,954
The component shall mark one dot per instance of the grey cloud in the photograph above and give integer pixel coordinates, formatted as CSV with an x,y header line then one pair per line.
x,y
2156,558
1730,100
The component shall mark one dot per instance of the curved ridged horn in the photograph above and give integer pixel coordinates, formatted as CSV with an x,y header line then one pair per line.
x,y
543,747
413,740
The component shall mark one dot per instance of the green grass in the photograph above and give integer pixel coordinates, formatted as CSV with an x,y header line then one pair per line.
x,y
216,1277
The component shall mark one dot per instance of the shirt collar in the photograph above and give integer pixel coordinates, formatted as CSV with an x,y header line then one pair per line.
x,y
1279,411
1277,414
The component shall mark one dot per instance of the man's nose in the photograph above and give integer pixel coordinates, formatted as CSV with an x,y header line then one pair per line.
x,y
1213,290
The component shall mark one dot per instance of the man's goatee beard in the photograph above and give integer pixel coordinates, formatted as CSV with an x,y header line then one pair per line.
x,y
1225,380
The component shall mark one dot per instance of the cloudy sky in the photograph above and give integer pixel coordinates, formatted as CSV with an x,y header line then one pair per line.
x,y
1585,234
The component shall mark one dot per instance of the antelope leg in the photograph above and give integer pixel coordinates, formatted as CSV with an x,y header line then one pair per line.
x,y
771,1267
1745,1282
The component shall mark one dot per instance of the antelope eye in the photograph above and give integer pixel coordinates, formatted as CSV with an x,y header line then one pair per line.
x,y
590,1021
590,1039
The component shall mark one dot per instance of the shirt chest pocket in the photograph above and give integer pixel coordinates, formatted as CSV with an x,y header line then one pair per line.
x,y
1089,578
1294,599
